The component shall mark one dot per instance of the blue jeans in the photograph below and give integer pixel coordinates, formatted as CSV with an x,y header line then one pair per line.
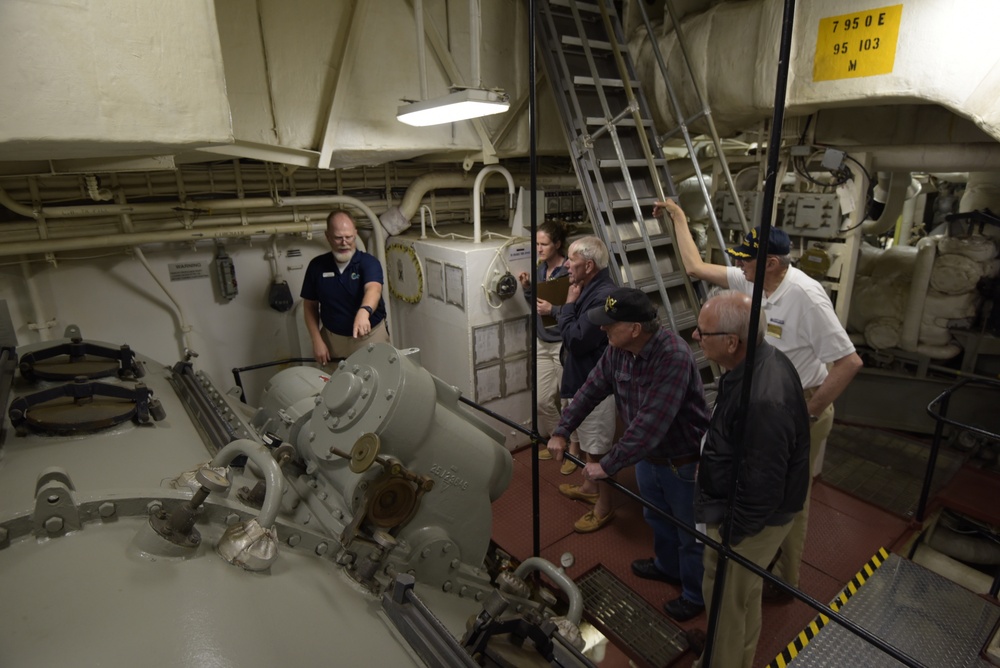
x,y
678,554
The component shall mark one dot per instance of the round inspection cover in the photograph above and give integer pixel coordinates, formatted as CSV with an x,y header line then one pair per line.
x,y
64,414
62,367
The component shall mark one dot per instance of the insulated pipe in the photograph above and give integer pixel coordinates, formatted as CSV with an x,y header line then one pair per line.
x,y
259,455
477,190
902,186
923,264
575,612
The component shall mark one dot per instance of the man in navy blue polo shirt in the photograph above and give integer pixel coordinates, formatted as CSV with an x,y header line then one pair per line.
x,y
342,295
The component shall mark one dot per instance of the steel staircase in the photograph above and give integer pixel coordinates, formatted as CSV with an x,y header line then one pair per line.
x,y
616,151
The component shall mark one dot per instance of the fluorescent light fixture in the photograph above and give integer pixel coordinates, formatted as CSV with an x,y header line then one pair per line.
x,y
458,106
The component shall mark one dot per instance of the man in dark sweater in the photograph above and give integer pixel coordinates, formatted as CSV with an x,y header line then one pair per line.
x,y
773,477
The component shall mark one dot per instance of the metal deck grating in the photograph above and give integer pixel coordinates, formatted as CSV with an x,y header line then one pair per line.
x,y
618,611
882,468
928,617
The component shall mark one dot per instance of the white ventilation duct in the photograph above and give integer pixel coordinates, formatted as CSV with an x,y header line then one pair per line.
x,y
734,55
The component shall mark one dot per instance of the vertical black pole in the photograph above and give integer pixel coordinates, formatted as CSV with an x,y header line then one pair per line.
x,y
536,535
770,185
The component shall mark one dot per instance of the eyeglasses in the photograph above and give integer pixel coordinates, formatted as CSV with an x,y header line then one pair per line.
x,y
701,334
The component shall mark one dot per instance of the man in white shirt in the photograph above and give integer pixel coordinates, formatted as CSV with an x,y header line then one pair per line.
x,y
801,323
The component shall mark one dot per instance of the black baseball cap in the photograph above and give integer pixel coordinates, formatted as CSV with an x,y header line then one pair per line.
x,y
623,305
779,244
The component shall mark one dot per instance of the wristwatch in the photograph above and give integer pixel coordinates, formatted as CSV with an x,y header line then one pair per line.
x,y
367,308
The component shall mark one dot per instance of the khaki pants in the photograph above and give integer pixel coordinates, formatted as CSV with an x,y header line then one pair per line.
x,y
549,379
738,628
790,562
341,347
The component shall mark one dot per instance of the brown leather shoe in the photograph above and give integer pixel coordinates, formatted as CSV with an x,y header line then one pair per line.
x,y
591,522
573,492
544,454
568,468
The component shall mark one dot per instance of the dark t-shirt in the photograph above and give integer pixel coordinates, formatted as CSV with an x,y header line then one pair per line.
x,y
340,294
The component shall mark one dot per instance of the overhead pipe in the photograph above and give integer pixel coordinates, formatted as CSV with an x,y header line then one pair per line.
x,y
477,190
397,219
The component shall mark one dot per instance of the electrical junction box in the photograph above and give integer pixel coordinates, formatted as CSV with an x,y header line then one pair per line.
x,y
750,201
810,215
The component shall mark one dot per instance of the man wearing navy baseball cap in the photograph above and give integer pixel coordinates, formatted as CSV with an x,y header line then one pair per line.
x,y
654,379
802,324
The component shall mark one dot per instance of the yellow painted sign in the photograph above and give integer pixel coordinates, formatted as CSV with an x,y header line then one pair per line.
x,y
860,44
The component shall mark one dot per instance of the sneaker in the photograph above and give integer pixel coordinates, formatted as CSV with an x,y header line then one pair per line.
x,y
591,522
573,492
544,454
682,609
647,570
568,468
771,593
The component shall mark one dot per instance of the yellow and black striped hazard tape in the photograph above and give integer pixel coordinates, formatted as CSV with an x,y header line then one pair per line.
x,y
813,628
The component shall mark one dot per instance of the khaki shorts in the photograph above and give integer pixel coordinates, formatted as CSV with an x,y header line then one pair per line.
x,y
597,431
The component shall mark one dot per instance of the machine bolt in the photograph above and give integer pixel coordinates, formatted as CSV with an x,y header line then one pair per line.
x,y
231,519
341,367
479,595
389,394
426,553
338,513
445,548
311,468
318,398
364,394
392,359
326,414
455,563
367,375
106,509
463,591
323,496
351,413
446,586
322,548
312,436
54,524
294,539
154,507
355,369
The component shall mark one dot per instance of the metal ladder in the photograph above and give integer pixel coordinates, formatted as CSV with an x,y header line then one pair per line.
x,y
616,152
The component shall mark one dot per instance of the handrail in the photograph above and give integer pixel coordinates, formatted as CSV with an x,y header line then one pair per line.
x,y
944,399
822,608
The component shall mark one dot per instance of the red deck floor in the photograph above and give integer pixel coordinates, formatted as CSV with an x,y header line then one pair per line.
x,y
844,533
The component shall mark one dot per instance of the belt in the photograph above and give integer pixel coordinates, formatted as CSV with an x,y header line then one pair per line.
x,y
675,462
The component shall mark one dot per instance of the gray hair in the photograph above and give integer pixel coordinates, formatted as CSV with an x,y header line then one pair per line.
x,y
732,310
651,326
784,260
590,248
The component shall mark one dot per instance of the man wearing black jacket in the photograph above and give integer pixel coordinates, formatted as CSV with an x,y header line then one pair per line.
x,y
773,478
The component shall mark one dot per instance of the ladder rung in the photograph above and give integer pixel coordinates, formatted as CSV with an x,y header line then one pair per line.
x,y
582,6
630,163
654,242
600,44
625,122
673,280
627,203
608,83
